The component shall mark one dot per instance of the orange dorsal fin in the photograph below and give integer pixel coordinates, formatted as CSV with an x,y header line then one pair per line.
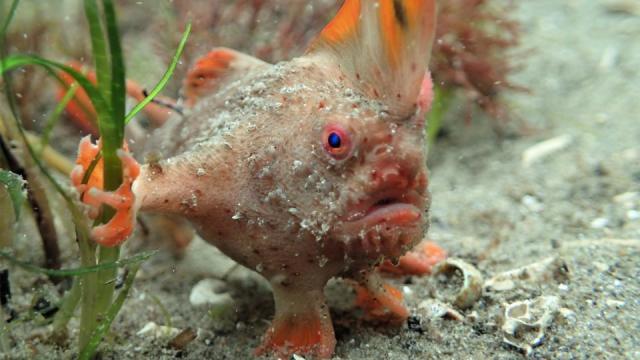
x,y
383,46
215,69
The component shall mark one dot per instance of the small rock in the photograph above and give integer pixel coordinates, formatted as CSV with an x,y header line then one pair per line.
x,y
614,303
599,223
532,203
628,199
624,7
473,316
210,292
153,330
633,215
601,266
568,315
544,149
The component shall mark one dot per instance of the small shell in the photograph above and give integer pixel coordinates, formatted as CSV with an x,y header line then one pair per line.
x,y
525,321
469,282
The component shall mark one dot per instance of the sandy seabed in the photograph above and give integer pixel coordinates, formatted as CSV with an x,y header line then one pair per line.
x,y
580,203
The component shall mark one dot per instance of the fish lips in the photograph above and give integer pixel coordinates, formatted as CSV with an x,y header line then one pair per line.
x,y
386,212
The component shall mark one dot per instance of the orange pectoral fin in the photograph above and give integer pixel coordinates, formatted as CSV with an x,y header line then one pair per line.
x,y
218,67
383,304
201,78
79,109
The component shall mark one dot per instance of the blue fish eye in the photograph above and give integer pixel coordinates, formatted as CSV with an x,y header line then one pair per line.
x,y
334,140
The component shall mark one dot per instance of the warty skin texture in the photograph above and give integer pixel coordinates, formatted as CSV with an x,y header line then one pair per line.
x,y
304,170
265,191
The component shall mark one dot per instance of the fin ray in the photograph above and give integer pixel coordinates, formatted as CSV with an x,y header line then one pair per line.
x,y
383,46
217,68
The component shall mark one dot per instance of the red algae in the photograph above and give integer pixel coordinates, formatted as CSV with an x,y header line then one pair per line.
x,y
472,52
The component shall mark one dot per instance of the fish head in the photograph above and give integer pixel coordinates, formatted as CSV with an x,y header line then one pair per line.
x,y
369,143
375,159
347,161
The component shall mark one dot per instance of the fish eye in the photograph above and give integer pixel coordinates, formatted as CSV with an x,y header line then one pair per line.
x,y
336,141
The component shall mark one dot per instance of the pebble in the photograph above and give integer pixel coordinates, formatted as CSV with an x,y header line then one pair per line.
x,y
210,292
153,330
614,303
568,315
628,199
545,149
633,215
601,266
532,203
599,223
627,7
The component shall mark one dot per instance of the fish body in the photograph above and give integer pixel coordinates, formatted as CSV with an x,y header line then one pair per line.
x,y
307,169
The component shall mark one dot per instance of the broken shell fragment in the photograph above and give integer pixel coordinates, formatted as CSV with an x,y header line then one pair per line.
x,y
541,271
461,282
180,341
525,322
437,309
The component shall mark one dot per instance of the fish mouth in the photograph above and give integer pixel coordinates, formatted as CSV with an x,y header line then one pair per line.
x,y
395,207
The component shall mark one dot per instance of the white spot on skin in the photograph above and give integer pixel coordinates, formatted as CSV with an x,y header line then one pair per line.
x,y
191,202
322,261
306,224
288,90
393,127
297,166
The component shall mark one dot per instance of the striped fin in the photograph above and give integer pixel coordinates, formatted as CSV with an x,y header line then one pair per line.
x,y
213,71
383,46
